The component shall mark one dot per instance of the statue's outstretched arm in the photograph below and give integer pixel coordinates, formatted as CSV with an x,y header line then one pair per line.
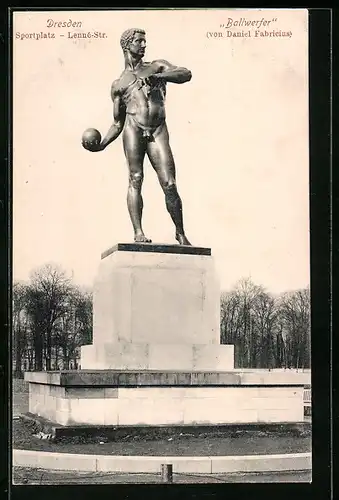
x,y
170,73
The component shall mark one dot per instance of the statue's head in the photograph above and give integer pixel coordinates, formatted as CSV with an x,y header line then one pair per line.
x,y
133,40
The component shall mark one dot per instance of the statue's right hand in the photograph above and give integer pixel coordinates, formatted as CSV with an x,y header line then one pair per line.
x,y
92,146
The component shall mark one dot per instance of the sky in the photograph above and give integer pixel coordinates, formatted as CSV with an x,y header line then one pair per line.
x,y
238,131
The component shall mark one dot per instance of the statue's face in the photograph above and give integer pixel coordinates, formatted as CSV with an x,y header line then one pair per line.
x,y
138,45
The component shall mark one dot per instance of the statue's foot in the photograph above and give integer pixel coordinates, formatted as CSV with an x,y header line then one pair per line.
x,y
141,238
181,238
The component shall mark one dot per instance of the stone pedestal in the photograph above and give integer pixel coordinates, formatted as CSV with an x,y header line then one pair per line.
x,y
156,307
156,357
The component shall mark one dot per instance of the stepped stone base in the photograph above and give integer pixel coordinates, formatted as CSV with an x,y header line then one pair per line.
x,y
161,398
141,356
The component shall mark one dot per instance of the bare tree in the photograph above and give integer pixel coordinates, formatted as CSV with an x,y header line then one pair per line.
x,y
47,295
237,320
74,327
20,325
264,319
267,331
294,311
52,318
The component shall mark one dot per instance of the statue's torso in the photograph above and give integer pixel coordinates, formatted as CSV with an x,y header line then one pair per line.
x,y
145,103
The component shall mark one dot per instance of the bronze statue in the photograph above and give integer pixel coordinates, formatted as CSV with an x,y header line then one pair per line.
x,y
139,111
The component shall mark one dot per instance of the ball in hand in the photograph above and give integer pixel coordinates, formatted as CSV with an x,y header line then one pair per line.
x,y
91,139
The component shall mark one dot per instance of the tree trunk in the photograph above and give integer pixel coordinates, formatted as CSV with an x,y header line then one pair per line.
x,y
18,352
30,359
56,357
65,359
38,348
48,351
18,361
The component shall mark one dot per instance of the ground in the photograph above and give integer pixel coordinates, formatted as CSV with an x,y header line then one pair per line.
x,y
241,443
39,476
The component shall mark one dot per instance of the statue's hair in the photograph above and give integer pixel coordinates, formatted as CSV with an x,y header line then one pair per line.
x,y
128,36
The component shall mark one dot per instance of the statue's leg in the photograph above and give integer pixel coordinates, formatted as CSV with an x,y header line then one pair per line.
x,y
161,158
135,148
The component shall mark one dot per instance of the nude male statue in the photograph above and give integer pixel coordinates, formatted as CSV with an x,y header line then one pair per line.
x,y
138,97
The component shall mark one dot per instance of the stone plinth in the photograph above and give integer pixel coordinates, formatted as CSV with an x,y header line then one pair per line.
x,y
156,307
128,356
114,398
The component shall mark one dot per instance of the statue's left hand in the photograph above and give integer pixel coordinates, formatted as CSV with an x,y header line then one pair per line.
x,y
154,79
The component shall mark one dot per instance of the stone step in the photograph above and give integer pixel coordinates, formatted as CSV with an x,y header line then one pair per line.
x,y
143,356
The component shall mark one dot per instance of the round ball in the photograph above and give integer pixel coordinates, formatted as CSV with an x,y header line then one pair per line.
x,y
91,136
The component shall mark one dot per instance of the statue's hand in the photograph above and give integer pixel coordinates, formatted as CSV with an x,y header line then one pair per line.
x,y
153,80
93,146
